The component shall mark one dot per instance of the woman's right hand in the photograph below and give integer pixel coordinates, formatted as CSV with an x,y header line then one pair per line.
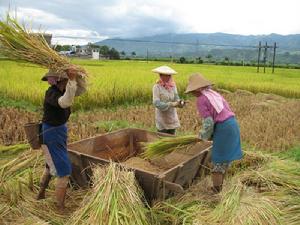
x,y
174,104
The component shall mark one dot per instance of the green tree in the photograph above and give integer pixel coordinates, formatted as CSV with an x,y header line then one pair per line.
x,y
58,48
123,54
209,57
104,50
182,60
113,54
199,60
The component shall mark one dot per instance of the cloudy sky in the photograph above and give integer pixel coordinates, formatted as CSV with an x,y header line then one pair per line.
x,y
93,20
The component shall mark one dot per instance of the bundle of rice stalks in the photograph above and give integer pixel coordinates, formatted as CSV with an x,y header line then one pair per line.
x,y
18,43
273,175
115,199
291,210
242,205
165,146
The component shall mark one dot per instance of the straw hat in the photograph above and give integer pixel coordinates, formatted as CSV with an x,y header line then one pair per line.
x,y
197,81
52,73
164,70
80,79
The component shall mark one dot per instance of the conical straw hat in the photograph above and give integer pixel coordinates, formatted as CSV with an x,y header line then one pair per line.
x,y
80,79
164,70
52,73
197,81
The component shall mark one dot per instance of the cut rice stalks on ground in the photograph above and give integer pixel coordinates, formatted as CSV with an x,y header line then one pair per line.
x,y
165,146
23,162
242,205
114,199
274,175
179,212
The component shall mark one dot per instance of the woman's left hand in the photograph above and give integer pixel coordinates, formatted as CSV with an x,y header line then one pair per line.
x,y
72,73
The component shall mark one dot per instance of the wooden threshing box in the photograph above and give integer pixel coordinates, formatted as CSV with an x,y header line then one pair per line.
x,y
158,178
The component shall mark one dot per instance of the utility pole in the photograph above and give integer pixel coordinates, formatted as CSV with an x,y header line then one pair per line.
x,y
274,52
197,49
258,58
265,56
147,55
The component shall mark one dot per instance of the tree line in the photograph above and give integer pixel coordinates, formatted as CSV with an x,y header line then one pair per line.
x,y
104,50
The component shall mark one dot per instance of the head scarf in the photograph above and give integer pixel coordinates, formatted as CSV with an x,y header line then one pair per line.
x,y
214,98
167,85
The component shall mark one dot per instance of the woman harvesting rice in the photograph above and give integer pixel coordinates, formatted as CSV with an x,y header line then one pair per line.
x,y
57,102
219,124
165,99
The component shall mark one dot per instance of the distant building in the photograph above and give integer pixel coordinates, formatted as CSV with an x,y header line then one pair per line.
x,y
88,51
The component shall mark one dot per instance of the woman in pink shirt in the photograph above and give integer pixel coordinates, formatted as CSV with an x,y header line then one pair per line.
x,y
219,125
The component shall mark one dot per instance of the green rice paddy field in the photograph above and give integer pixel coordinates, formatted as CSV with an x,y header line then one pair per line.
x,y
122,82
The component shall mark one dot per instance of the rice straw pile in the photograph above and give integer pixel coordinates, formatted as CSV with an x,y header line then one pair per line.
x,y
115,199
165,146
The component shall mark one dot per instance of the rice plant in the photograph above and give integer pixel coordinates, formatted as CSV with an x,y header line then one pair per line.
x,y
164,146
114,83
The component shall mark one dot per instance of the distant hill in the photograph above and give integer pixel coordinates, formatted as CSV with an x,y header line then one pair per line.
x,y
219,45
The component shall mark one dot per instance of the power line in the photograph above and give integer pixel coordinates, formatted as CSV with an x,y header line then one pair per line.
x,y
197,43
184,43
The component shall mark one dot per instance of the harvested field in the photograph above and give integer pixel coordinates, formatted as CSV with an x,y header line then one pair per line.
x,y
263,118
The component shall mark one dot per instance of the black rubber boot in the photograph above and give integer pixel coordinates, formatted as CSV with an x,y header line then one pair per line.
x,y
217,179
43,185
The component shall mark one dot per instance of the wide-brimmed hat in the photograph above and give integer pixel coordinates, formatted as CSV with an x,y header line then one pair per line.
x,y
197,81
80,79
164,70
52,73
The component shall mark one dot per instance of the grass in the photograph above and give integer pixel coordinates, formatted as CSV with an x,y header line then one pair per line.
x,y
293,153
113,83
111,125
18,104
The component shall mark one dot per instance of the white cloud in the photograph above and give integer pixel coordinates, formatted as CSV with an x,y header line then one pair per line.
x,y
133,18
39,17
82,36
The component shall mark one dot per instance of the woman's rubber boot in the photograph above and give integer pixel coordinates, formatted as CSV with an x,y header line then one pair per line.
x,y
217,179
60,199
44,184
60,193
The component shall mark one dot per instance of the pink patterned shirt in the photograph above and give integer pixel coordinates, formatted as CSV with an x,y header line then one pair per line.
x,y
205,109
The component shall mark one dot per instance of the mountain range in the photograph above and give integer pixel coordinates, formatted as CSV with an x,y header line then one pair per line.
x,y
218,45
